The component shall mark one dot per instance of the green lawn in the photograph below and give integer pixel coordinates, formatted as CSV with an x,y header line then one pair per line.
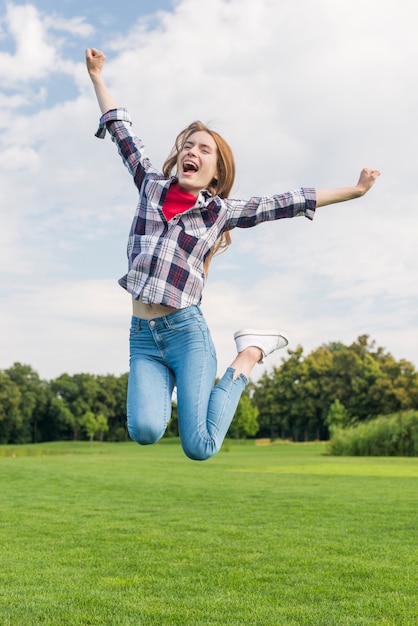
x,y
116,534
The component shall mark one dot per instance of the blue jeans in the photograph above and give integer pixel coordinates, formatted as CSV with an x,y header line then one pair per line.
x,y
177,349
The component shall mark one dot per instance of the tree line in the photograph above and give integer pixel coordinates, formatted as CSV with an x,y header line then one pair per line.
x,y
333,385
301,399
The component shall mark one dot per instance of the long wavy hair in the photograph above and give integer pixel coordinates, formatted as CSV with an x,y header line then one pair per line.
x,y
220,186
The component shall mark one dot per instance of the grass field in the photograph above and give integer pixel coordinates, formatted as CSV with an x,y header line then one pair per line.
x,y
116,534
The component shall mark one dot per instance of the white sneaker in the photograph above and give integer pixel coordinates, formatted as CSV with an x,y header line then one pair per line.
x,y
267,340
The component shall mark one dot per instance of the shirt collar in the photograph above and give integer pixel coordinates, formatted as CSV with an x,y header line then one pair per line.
x,y
202,199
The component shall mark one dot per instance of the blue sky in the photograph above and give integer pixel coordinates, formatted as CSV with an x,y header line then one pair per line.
x,y
306,94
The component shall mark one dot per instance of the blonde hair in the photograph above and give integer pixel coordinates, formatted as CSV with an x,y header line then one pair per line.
x,y
220,186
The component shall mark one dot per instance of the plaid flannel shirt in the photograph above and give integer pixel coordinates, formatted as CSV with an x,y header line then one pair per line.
x,y
165,258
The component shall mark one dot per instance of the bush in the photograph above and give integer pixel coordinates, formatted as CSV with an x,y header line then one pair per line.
x,y
390,435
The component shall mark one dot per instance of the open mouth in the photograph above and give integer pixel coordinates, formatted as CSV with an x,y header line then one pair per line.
x,y
189,166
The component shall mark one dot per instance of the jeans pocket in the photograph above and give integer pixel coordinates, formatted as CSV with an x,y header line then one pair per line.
x,y
193,326
184,325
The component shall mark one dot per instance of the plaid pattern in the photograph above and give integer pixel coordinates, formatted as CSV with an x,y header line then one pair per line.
x,y
165,259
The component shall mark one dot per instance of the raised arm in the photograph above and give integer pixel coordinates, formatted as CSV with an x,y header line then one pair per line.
x,y
331,196
95,60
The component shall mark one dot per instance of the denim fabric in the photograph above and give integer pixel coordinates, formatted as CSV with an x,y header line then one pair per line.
x,y
177,350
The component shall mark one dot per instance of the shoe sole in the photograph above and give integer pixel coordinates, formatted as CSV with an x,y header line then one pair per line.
x,y
260,333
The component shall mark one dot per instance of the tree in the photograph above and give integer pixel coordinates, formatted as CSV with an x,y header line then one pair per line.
x,y
282,398
89,423
337,417
300,399
317,392
293,400
79,392
103,396
111,403
34,398
94,424
296,399
398,386
265,400
374,382
245,423
102,425
10,417
61,421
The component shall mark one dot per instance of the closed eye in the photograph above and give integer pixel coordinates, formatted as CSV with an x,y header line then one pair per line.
x,y
203,148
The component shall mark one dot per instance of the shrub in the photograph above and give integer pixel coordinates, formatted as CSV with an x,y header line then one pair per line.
x,y
390,435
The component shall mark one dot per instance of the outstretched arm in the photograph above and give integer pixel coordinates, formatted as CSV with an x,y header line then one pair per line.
x,y
95,60
331,196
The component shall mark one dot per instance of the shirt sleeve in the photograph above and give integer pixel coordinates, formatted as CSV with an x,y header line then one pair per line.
x,y
114,115
118,124
248,213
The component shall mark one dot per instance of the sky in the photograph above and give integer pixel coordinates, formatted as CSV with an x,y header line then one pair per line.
x,y
306,93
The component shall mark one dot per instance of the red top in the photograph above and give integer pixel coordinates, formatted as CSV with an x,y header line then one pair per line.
x,y
177,201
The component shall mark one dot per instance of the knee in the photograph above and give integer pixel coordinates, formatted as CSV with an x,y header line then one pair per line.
x,y
199,452
144,435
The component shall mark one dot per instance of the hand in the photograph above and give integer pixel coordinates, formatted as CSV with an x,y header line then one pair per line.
x,y
95,60
332,196
367,179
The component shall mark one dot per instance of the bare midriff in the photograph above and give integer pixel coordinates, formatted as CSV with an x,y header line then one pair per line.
x,y
149,311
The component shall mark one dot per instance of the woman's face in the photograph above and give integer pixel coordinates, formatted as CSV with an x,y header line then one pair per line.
x,y
197,162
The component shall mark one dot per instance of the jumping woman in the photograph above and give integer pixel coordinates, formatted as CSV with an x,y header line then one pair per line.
x,y
183,217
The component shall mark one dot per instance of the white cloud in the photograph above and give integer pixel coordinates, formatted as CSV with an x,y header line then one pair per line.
x,y
37,52
19,158
76,26
306,95
66,327
33,57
